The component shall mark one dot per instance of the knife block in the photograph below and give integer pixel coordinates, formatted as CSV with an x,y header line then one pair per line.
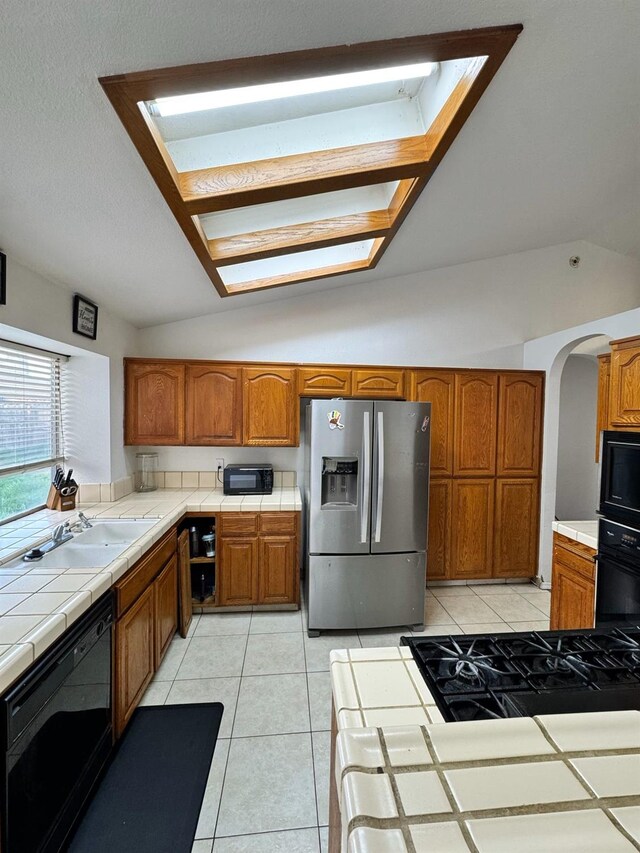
x,y
61,503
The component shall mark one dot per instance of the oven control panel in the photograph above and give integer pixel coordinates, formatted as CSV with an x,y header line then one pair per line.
x,y
619,537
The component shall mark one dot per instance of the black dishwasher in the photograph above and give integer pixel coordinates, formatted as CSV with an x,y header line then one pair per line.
x,y
57,735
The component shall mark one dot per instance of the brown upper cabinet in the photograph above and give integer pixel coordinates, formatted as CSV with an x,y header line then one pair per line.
x,y
604,381
270,406
214,404
624,392
324,382
475,424
382,384
154,403
438,388
519,424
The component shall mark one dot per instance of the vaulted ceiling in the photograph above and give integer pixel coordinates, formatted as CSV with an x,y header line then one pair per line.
x,y
550,153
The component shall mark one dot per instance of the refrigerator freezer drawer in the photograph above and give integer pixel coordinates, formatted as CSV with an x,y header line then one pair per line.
x,y
370,591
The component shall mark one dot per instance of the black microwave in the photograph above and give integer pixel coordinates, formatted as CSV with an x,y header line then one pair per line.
x,y
248,480
620,477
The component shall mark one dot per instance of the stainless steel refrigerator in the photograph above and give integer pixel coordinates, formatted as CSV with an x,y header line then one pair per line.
x,y
367,493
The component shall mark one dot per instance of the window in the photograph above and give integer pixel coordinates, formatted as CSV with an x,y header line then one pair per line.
x,y
30,427
292,167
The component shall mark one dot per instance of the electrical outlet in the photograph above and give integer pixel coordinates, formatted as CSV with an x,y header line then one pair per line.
x,y
219,464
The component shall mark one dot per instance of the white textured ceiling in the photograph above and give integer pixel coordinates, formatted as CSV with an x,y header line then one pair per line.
x,y
550,154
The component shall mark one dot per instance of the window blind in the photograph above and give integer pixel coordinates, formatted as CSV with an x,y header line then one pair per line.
x,y
30,410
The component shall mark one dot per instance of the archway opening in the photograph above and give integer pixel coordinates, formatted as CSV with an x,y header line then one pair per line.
x,y
577,470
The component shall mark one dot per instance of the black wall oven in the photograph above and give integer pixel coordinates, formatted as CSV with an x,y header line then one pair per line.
x,y
618,580
57,735
620,477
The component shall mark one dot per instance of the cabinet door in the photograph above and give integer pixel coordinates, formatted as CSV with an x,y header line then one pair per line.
x,y
472,529
378,384
475,424
238,570
519,424
572,600
324,382
516,529
214,405
185,599
270,406
624,399
602,419
438,388
439,542
154,403
165,593
277,568
133,668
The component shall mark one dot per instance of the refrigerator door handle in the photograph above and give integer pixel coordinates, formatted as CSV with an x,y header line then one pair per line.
x,y
366,478
380,497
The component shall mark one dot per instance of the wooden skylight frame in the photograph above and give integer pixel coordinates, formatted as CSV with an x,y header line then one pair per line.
x,y
409,160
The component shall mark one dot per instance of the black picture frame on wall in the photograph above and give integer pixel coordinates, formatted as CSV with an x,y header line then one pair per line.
x,y
3,278
85,317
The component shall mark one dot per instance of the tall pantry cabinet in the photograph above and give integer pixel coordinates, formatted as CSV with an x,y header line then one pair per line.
x,y
486,434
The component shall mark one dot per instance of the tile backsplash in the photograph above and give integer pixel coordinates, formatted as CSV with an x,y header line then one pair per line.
x,y
107,492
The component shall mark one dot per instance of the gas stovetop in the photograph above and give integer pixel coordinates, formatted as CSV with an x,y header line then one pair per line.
x,y
512,675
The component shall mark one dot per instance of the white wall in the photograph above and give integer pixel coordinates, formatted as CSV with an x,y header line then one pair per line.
x,y
476,314
577,479
39,312
550,353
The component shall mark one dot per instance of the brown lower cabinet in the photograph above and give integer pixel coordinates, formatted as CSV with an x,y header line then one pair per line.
x,y
146,620
439,540
472,510
258,558
573,588
516,528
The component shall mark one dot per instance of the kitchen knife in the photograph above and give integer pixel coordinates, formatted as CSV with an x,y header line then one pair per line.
x,y
68,480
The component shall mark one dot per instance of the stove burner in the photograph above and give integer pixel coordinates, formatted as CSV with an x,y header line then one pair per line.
x,y
473,677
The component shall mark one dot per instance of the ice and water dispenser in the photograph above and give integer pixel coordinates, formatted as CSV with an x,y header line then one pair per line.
x,y
339,482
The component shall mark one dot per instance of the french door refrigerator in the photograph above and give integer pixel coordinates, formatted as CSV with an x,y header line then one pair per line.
x,y
367,493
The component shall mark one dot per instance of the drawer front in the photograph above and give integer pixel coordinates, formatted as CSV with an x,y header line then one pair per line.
x,y
278,522
583,565
232,523
571,545
134,583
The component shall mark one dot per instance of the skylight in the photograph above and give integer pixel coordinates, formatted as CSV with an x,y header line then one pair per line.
x,y
288,168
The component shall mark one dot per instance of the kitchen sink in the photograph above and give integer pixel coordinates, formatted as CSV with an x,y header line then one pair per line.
x,y
112,531
93,548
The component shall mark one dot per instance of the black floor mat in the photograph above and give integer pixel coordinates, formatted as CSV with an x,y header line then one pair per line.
x,y
150,797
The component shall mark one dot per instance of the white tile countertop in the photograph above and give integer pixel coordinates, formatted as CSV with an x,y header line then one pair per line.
x,y
37,605
565,782
585,532
410,783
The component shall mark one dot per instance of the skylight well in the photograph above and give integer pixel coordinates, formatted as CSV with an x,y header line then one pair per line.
x,y
295,167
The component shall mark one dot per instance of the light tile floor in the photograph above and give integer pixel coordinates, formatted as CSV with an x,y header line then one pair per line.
x,y
268,788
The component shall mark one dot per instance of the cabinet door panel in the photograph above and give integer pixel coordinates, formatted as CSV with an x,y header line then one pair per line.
x,y
378,384
438,388
324,382
270,406
572,600
439,542
519,424
154,403
472,528
624,397
237,567
475,424
134,643
165,592
214,405
604,380
185,596
277,570
516,528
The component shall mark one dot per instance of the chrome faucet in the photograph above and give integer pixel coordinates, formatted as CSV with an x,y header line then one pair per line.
x,y
85,524
61,534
